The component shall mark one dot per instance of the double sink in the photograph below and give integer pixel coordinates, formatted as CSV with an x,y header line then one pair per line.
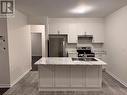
x,y
84,59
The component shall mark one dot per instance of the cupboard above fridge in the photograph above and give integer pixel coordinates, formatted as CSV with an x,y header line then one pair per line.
x,y
72,30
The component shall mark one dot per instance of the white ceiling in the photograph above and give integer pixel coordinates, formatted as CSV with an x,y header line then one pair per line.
x,y
60,8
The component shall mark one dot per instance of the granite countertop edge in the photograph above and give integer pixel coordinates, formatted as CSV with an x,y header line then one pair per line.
x,y
66,61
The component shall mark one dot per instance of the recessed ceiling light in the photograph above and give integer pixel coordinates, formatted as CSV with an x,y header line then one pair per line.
x,y
81,9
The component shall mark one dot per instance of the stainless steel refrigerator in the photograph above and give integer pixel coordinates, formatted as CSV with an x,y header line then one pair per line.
x,y
57,45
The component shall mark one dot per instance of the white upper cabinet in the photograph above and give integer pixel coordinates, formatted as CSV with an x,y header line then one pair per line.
x,y
72,34
73,29
58,28
53,28
84,29
95,29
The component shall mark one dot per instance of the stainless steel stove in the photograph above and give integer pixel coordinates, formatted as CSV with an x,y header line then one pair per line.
x,y
85,52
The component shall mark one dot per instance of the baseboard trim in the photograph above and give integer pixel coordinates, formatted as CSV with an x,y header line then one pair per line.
x,y
118,79
19,78
69,89
4,85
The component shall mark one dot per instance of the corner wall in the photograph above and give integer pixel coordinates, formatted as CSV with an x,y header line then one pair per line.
x,y
116,44
19,43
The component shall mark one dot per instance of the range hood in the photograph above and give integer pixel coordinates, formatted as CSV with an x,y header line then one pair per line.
x,y
85,39
85,36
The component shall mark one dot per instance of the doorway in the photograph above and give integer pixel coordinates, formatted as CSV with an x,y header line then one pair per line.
x,y
36,42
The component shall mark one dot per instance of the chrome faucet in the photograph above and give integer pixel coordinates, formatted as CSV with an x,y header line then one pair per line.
x,y
85,56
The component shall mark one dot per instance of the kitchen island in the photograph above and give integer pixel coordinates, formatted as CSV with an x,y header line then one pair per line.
x,y
63,73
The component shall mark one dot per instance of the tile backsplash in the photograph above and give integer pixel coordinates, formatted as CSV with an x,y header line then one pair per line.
x,y
97,48
71,47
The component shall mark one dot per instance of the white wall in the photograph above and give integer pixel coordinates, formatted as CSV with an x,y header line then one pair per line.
x,y
37,20
4,58
40,29
116,44
36,44
19,42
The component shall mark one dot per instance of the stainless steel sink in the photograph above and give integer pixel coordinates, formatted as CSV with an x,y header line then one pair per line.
x,y
84,59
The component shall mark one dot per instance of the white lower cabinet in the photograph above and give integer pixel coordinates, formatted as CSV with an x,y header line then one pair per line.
x,y
61,76
70,76
76,76
93,76
46,76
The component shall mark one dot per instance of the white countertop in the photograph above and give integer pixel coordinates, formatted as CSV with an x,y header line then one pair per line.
x,y
66,61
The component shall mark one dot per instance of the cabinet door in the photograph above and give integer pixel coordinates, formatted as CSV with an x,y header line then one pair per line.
x,y
93,78
85,29
76,76
61,28
95,29
61,76
53,28
46,76
72,35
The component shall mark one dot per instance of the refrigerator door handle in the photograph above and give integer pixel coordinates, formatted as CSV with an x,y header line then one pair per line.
x,y
63,43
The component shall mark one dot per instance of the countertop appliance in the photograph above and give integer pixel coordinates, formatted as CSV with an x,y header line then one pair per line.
x,y
85,52
57,44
